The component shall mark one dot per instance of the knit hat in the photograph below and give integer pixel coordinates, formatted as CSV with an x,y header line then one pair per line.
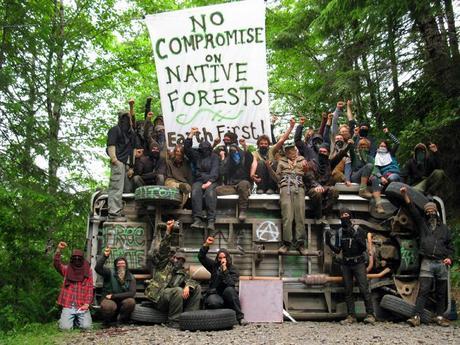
x,y
430,205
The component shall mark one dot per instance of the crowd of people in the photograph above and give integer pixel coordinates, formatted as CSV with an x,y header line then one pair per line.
x,y
309,164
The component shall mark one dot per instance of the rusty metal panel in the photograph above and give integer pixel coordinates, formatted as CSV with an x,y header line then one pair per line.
x,y
262,300
128,239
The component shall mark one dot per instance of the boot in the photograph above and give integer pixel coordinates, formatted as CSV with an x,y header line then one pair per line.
x,y
211,226
270,191
369,319
242,215
364,193
116,217
301,249
243,322
441,321
283,249
379,208
260,191
414,321
349,320
197,224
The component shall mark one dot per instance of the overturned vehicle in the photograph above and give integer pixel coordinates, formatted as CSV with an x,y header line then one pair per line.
x,y
302,287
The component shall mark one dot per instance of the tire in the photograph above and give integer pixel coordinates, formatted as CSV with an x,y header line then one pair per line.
x,y
394,195
389,208
159,195
381,314
401,307
144,314
207,320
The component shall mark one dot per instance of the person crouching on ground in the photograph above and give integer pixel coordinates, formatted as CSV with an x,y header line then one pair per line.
x,y
224,279
119,290
77,290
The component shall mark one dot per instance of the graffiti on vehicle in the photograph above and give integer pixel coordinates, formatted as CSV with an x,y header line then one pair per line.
x,y
267,231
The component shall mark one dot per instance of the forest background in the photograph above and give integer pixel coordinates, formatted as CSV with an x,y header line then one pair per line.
x,y
67,66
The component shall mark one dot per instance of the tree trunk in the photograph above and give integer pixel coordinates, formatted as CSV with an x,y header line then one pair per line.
x,y
392,30
452,32
370,87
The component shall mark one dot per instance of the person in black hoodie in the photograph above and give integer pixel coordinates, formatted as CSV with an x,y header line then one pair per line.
x,y
235,168
351,241
224,279
423,171
206,165
119,289
436,250
150,169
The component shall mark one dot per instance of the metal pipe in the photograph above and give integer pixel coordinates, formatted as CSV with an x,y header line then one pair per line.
x,y
251,251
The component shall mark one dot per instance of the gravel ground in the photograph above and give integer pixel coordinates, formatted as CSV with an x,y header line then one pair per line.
x,y
286,333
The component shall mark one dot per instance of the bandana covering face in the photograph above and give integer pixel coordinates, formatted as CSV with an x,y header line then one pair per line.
x,y
382,158
78,268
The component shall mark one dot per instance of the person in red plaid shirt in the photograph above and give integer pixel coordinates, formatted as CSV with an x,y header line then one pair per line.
x,y
77,290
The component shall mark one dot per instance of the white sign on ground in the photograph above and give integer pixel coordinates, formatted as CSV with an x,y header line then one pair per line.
x,y
212,70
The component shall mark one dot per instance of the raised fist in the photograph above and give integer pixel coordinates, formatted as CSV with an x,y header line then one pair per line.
x,y
350,142
169,225
131,101
329,116
385,130
217,141
242,142
349,103
62,245
209,241
194,130
433,147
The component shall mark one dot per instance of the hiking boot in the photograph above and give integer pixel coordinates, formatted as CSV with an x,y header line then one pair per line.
x,y
441,321
364,193
242,215
172,324
283,249
260,191
349,320
211,226
301,249
379,209
270,191
414,321
243,322
113,217
369,319
197,224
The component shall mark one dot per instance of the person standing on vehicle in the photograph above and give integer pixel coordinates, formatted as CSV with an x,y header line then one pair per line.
x,y
77,290
120,148
351,240
436,250
224,279
171,289
119,289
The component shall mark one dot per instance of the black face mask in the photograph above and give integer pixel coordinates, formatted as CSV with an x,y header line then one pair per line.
x,y
339,144
263,150
77,261
154,154
346,222
363,132
205,152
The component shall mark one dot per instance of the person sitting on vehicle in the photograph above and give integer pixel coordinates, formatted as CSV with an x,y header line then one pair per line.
x,y
120,148
224,279
206,164
171,289
77,290
229,139
351,240
310,147
179,173
436,249
386,169
319,184
119,289
290,171
150,169
423,171
234,169
264,162
362,164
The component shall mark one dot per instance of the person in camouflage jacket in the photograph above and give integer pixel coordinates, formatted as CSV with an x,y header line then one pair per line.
x,y
171,289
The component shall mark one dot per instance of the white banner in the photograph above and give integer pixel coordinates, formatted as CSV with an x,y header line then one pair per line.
x,y
212,70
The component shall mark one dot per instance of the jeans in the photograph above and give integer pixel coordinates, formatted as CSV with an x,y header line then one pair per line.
x,y
364,171
377,187
359,272
71,317
210,199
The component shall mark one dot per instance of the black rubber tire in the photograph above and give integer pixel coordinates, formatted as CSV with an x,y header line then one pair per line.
x,y
159,195
207,320
394,195
401,307
144,314
382,314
